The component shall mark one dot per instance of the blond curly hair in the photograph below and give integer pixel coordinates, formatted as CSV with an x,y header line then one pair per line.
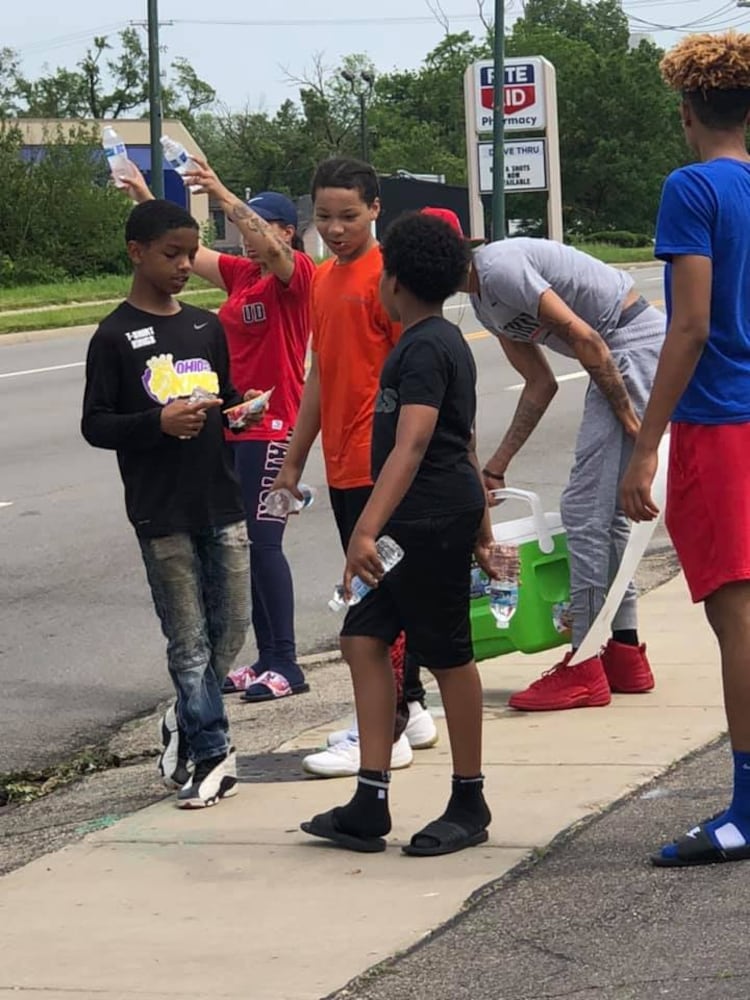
x,y
708,62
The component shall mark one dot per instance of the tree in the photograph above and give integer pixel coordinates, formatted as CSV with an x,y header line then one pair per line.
x,y
59,216
108,82
619,130
419,116
9,68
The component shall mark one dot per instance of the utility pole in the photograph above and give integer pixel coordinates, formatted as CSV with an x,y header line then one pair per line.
x,y
363,96
154,96
498,126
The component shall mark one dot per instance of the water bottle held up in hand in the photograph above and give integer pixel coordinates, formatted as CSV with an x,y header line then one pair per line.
x,y
178,158
279,503
504,589
390,554
117,156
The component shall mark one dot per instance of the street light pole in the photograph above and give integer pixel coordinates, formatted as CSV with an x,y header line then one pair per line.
x,y
362,96
154,98
498,128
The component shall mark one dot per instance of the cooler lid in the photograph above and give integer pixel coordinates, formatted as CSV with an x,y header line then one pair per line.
x,y
523,530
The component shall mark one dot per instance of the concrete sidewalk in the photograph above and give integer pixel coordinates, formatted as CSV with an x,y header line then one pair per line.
x,y
236,902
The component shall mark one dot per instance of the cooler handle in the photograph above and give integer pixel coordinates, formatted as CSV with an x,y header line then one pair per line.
x,y
546,542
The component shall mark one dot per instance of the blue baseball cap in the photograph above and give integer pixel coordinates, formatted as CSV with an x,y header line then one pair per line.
x,y
274,207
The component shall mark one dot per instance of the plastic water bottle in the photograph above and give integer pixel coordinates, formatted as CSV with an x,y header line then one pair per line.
x,y
562,619
504,589
279,503
390,553
178,158
117,156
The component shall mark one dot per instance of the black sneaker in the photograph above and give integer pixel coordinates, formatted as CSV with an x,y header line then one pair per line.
x,y
213,779
174,765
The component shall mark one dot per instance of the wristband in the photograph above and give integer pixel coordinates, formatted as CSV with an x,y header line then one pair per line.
x,y
494,475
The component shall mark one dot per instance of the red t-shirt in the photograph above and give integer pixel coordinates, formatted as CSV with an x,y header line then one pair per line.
x,y
267,325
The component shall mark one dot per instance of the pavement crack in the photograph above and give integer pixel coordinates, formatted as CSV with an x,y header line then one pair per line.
x,y
21,787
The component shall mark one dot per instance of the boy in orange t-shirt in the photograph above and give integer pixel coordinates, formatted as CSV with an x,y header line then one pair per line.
x,y
351,338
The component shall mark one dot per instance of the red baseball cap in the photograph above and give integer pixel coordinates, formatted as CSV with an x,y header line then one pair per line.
x,y
449,216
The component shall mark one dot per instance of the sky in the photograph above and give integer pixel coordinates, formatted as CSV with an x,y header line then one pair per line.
x,y
246,62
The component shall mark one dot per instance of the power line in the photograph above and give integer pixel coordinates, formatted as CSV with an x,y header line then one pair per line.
x,y
703,21
337,22
61,41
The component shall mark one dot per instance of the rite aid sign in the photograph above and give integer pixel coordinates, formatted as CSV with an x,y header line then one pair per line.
x,y
523,95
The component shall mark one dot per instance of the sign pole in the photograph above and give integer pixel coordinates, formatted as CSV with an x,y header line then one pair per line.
x,y
498,126
554,179
476,206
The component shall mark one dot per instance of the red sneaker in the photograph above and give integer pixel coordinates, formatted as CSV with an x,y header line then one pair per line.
x,y
581,686
627,668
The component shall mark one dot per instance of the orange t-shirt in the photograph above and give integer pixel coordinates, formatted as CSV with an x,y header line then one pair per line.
x,y
352,336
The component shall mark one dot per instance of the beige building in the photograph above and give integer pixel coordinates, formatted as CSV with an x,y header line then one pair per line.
x,y
135,133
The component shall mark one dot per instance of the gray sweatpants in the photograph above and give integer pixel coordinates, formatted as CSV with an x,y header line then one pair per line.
x,y
597,529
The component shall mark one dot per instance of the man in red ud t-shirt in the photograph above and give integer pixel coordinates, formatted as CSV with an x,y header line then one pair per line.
x,y
266,318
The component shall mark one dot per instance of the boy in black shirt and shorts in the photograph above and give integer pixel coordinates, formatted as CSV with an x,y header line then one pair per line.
x,y
428,496
146,363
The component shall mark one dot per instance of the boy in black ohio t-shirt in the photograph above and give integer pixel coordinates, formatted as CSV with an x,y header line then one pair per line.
x,y
428,496
181,496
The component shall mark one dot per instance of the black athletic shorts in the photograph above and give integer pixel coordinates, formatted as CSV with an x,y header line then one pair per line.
x,y
347,505
427,594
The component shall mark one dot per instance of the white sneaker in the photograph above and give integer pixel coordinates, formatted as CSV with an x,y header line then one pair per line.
x,y
421,731
173,764
342,759
342,735
212,780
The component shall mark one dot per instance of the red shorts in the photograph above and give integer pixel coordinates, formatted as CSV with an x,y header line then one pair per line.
x,y
708,504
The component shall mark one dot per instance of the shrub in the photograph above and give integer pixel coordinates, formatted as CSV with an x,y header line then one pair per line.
x,y
59,216
618,238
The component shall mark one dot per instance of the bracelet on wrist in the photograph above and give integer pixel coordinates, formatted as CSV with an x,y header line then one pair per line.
x,y
499,476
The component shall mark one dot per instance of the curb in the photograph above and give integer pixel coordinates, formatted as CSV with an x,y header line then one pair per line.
x,y
29,336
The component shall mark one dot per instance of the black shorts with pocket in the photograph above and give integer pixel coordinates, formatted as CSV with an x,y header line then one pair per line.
x,y
427,594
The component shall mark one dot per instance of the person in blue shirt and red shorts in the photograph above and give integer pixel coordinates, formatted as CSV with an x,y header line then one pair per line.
x,y
703,386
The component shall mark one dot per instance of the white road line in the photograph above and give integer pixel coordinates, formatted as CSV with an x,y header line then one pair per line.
x,y
560,378
6,503
38,371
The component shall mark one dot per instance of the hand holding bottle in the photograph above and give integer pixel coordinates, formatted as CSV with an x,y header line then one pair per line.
x,y
203,180
135,186
362,560
184,419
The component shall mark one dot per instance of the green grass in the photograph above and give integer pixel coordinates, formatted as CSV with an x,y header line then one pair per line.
x,y
86,315
111,286
618,255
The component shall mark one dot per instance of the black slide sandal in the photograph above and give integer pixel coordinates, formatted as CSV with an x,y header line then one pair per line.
x,y
324,825
446,837
697,848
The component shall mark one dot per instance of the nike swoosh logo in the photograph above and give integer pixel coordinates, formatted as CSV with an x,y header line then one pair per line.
x,y
199,326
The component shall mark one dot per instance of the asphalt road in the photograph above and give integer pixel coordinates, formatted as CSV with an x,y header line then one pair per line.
x,y
80,650
592,919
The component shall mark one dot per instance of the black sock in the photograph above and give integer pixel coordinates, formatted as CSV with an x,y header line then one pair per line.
x,y
367,814
467,805
627,636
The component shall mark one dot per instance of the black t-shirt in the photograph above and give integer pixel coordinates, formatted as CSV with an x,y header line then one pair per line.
x,y
432,365
138,362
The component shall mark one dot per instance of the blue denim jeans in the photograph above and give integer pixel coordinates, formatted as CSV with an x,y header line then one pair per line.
x,y
199,584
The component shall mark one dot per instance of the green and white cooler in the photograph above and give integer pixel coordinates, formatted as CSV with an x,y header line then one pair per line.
x,y
541,619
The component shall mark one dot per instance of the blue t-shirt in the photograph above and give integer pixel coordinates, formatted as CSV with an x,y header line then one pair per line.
x,y
705,212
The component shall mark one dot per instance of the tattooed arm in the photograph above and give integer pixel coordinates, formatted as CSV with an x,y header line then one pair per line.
x,y
593,354
538,391
259,235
